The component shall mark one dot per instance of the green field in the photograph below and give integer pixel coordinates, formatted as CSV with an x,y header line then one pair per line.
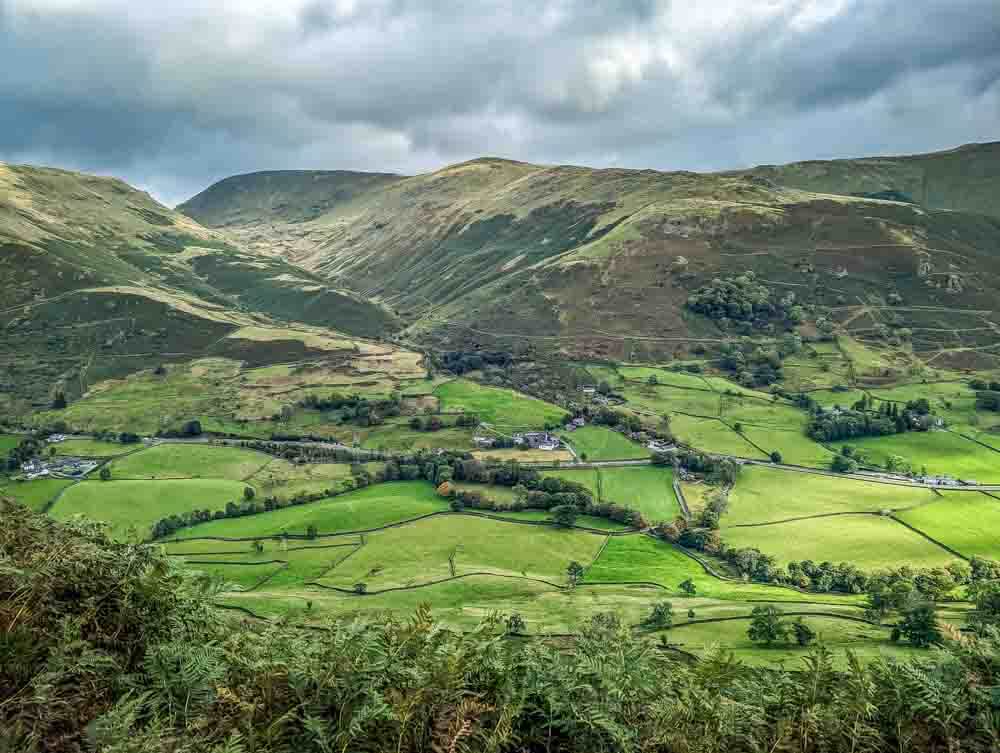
x,y
938,451
365,508
93,448
8,442
766,495
490,491
795,447
419,552
838,635
497,405
167,461
968,522
601,443
585,476
645,488
711,435
283,480
34,494
664,399
139,504
641,558
868,541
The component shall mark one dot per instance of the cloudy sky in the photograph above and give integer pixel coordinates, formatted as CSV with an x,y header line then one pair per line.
x,y
174,95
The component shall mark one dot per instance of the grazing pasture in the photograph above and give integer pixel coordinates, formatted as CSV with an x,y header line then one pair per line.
x,y
968,522
365,508
870,542
645,488
938,451
497,405
34,494
766,495
602,443
125,505
165,461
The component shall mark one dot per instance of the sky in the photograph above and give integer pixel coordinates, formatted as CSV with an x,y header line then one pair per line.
x,y
172,96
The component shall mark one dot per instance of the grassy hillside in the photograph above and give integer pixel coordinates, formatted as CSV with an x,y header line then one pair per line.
x,y
547,260
965,179
97,276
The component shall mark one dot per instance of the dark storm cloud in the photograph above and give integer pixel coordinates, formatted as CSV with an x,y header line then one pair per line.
x,y
173,98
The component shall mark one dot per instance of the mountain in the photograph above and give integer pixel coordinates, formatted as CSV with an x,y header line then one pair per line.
x,y
965,179
593,263
97,279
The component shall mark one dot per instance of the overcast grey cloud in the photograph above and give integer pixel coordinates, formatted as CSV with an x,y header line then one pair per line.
x,y
174,96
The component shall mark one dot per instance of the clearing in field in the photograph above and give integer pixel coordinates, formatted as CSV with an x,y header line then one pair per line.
x,y
938,451
602,443
664,399
93,448
525,456
366,508
767,495
793,445
170,460
497,405
870,542
968,522
139,504
444,547
8,442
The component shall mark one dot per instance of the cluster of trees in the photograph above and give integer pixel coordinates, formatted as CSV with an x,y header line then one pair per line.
x,y
461,361
28,448
987,394
742,299
351,408
190,428
867,420
620,420
717,471
312,453
755,365
768,626
88,623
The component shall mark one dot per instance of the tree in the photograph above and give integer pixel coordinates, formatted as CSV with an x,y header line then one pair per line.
x,y
919,626
160,370
691,613
416,424
688,587
574,573
105,473
564,515
249,493
652,381
515,624
776,457
360,589
192,428
311,532
604,388
766,626
804,634
661,616
59,400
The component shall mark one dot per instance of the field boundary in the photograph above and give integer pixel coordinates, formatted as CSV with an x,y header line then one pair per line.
x,y
391,589
931,539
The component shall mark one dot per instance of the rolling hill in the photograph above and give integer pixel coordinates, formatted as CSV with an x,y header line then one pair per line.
x,y
593,263
97,279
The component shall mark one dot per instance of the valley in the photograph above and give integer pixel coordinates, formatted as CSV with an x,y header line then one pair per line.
x,y
536,391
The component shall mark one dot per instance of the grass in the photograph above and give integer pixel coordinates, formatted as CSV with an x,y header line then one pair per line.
x,y
34,494
867,641
602,443
370,507
938,451
283,480
765,495
497,405
795,447
641,558
419,552
968,522
586,521
8,442
712,435
664,399
490,491
525,456
868,541
647,489
93,448
190,461
585,476
139,504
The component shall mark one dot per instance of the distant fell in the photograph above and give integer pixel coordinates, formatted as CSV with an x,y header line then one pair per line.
x,y
965,179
